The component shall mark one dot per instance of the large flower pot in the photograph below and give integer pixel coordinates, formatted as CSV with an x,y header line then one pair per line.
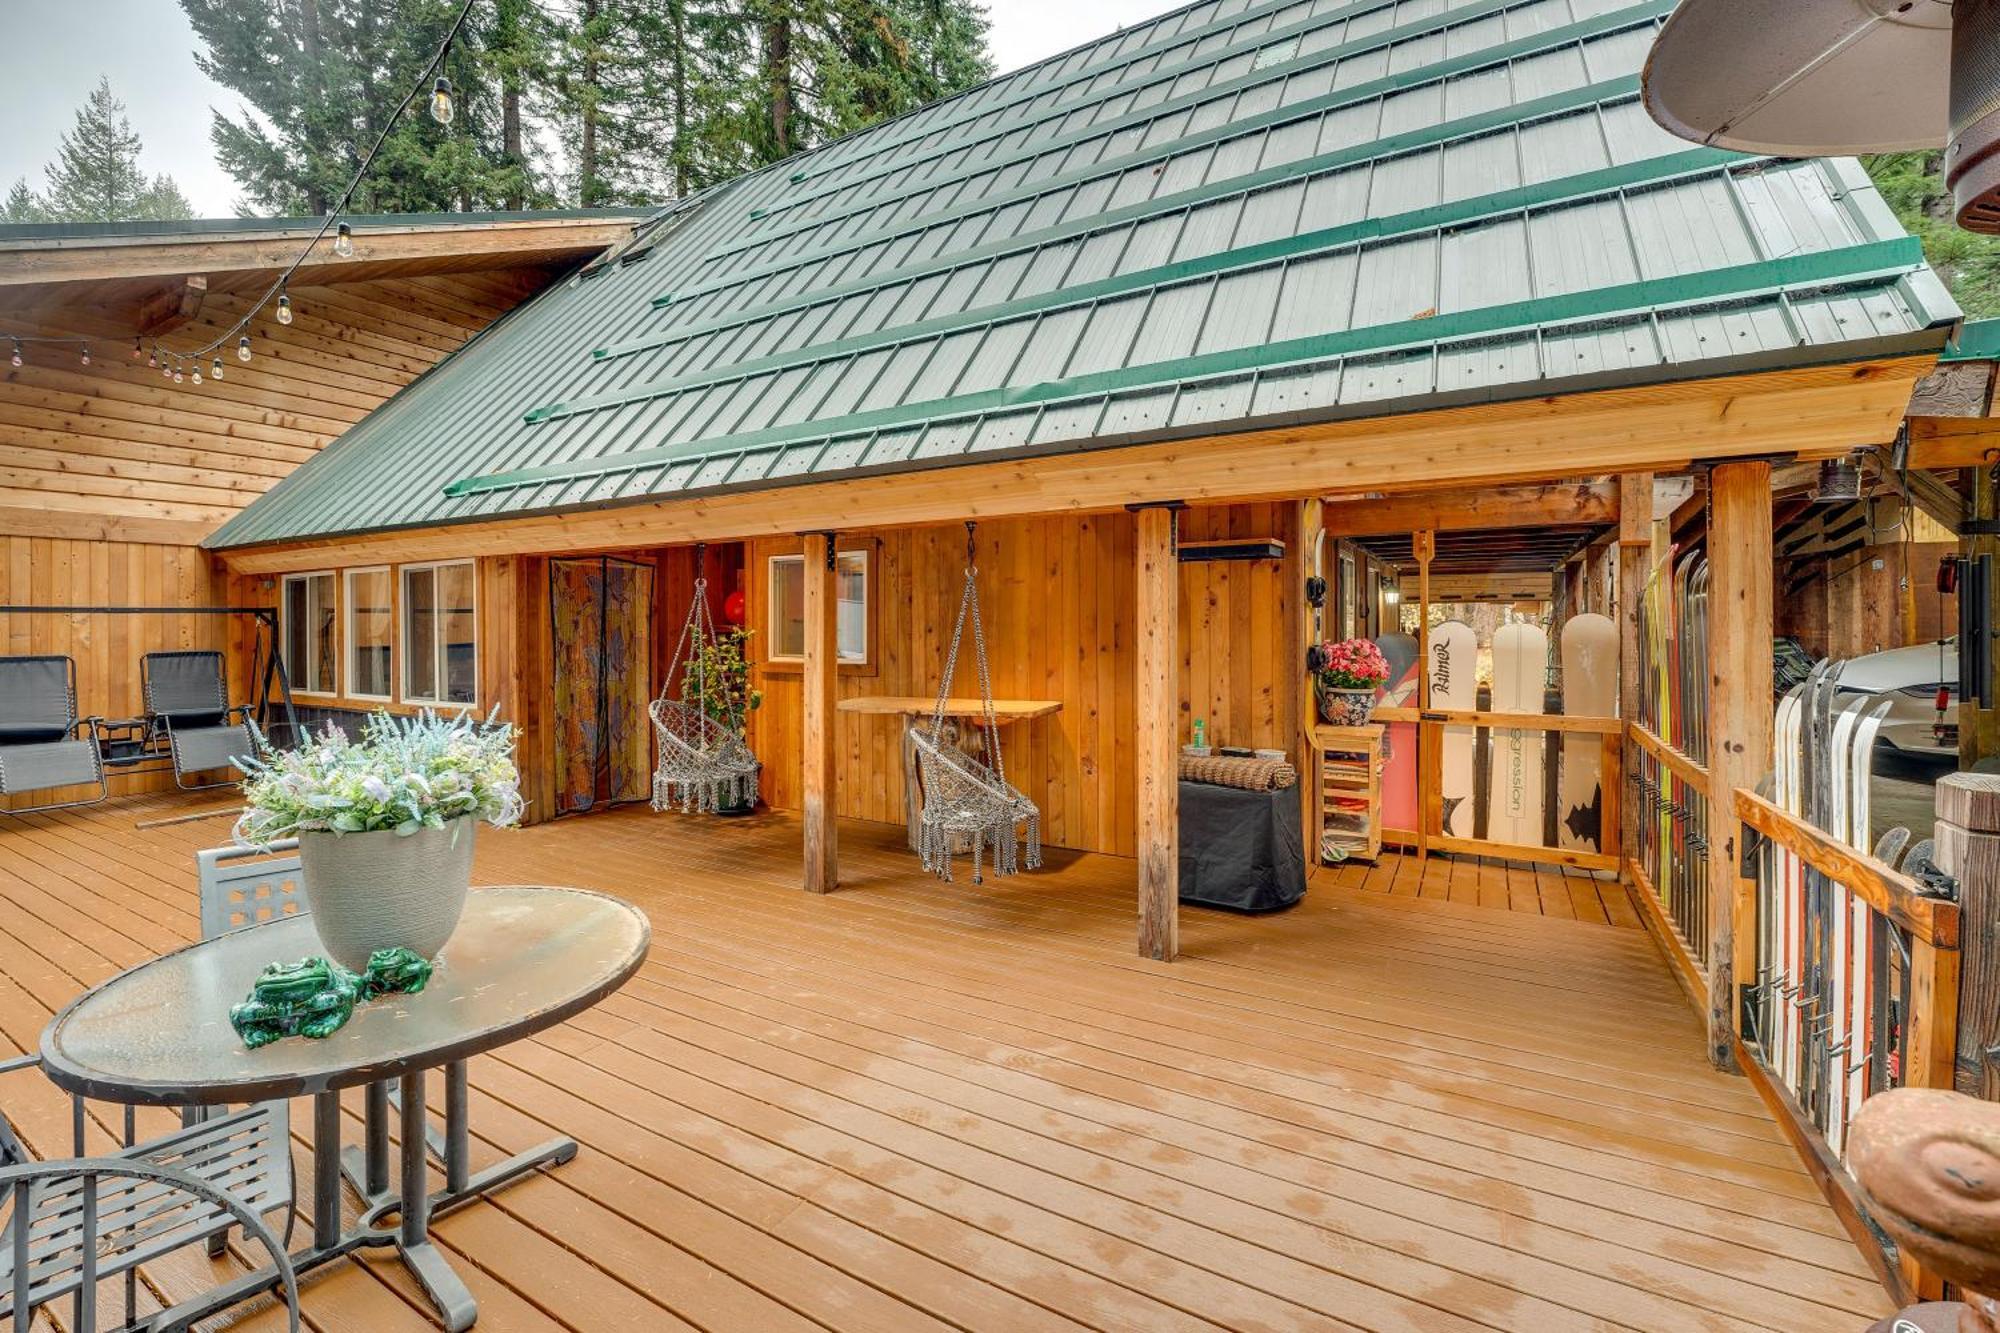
x,y
370,891
1347,708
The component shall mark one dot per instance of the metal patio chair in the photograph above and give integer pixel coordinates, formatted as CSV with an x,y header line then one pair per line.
x,y
187,703
43,744
73,1222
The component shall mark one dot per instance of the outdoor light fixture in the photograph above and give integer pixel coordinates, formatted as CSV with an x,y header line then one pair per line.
x,y
177,374
215,371
441,100
1839,480
343,241
284,309
152,360
243,348
1392,595
17,353
197,372
85,358
138,349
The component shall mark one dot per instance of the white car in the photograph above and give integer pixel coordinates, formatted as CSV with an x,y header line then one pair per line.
x,y
1911,677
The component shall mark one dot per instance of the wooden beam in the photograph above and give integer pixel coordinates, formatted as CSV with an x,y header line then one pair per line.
x,y
1572,502
1957,389
817,807
1492,587
1739,671
1659,427
1945,442
173,306
1156,713
1635,557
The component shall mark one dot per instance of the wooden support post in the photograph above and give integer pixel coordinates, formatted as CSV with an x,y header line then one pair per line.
x,y
1430,751
1635,554
1979,728
1968,848
822,648
1156,710
1740,711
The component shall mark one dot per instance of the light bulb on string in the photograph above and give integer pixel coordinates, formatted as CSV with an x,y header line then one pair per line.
x,y
284,309
177,372
243,348
441,100
343,241
197,371
166,367
17,353
138,349
85,358
152,359
215,371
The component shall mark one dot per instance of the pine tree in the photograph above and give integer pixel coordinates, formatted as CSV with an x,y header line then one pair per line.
x,y
96,176
23,204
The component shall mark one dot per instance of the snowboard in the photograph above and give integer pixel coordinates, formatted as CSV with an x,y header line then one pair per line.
x,y
1520,679
1589,689
1454,682
1399,768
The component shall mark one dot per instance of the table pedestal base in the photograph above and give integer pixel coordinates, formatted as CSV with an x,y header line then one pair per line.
x,y
384,1220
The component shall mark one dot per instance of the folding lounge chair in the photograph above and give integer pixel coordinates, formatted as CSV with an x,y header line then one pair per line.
x,y
43,745
187,702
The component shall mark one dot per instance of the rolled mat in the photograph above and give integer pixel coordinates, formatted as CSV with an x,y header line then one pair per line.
x,y
1250,774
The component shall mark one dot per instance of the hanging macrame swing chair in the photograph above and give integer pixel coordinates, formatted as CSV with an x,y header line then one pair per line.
x,y
703,762
965,799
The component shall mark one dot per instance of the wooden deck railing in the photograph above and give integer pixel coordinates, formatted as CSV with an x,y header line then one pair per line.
x,y
1670,869
1855,991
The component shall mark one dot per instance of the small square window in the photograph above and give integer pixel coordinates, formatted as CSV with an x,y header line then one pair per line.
x,y
309,622
788,607
440,634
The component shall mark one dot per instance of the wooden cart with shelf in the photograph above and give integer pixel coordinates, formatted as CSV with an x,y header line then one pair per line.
x,y
1347,790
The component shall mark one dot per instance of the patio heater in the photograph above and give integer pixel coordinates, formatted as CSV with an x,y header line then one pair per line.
x,y
1809,78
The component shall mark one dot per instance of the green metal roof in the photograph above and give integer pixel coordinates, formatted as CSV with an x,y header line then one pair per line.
x,y
1236,215
1976,340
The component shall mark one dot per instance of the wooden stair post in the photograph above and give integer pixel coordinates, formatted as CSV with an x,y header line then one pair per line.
x,y
1635,554
1741,715
822,650
1968,849
1156,713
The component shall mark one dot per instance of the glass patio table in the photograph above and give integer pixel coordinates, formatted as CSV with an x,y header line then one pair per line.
x,y
523,959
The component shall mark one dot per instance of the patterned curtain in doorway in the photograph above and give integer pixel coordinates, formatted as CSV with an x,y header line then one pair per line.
x,y
601,618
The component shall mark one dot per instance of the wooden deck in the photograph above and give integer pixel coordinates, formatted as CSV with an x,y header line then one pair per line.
x,y
1487,881
914,1104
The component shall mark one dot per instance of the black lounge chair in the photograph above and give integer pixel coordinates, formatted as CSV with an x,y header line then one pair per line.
x,y
43,745
187,703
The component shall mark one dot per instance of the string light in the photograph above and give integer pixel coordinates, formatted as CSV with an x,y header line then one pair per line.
x,y
175,365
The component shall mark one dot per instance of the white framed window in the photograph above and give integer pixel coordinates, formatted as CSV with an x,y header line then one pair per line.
x,y
440,634
371,629
787,607
307,625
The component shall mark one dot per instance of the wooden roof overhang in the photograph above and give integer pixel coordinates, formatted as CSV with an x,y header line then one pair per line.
x,y
1802,413
113,276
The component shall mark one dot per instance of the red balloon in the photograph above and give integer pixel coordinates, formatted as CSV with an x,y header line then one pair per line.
x,y
732,608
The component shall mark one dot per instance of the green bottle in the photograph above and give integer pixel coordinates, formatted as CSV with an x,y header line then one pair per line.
x,y
1200,734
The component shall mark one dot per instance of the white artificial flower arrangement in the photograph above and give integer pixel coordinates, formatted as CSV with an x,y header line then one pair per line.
x,y
403,775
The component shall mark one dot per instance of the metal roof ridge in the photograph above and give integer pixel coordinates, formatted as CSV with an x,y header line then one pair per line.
x,y
18,234
1632,16
1846,265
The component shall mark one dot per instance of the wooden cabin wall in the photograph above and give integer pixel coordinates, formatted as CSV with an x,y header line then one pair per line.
x,y
44,571
1058,600
1853,604
113,450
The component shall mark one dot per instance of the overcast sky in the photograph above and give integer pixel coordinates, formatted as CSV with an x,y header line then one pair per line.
x,y
53,54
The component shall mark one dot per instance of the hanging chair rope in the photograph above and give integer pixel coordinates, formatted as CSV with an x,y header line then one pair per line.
x,y
966,800
703,761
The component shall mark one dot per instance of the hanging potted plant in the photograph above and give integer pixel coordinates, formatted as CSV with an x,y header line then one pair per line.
x,y
717,680
384,824
1348,674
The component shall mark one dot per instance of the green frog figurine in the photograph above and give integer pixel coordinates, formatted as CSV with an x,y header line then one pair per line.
x,y
312,997
395,971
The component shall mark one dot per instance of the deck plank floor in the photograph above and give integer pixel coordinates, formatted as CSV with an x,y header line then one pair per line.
x,y
916,1105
